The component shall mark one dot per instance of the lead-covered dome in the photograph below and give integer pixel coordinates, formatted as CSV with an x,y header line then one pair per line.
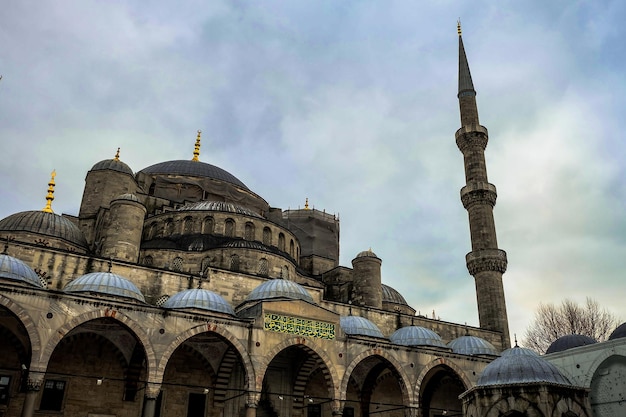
x,y
44,223
619,332
219,206
193,169
520,366
416,336
112,165
16,270
472,345
201,299
366,254
391,295
570,341
105,283
359,326
279,288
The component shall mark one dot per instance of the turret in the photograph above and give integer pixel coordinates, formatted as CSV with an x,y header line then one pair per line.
x,y
121,237
485,262
367,285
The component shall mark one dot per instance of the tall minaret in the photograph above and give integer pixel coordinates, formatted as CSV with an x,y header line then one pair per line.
x,y
485,262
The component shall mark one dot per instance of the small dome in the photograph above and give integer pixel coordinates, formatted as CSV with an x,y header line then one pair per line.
x,y
219,206
16,270
43,223
472,345
519,351
359,326
200,299
127,196
416,336
391,295
521,366
193,169
619,332
366,254
105,283
569,341
279,288
112,165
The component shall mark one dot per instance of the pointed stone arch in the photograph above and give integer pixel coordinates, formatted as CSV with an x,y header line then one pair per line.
x,y
28,323
407,394
204,328
135,329
439,362
568,405
514,405
603,355
321,358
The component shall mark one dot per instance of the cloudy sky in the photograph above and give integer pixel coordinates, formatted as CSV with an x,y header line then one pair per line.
x,y
353,105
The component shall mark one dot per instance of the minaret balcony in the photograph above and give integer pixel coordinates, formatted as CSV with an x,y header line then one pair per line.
x,y
478,192
486,260
471,136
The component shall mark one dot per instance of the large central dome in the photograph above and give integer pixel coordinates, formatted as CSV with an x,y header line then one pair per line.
x,y
193,169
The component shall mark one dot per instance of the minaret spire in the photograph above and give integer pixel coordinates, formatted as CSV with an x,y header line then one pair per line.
x,y
485,262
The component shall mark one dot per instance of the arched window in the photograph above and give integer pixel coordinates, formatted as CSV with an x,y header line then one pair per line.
x,y
204,266
284,272
169,227
151,231
207,225
263,267
234,263
249,232
229,228
281,242
161,300
267,236
177,264
291,248
147,261
151,189
188,225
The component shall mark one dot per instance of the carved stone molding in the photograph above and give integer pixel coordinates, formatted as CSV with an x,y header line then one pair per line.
x,y
478,193
471,137
486,260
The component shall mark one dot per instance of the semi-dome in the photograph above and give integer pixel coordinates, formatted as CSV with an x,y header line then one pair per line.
x,y
391,295
359,326
519,366
416,336
246,244
44,223
16,270
569,341
279,288
105,283
199,298
219,206
619,332
193,169
112,165
472,345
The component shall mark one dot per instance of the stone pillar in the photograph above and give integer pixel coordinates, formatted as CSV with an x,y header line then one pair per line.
x,y
152,393
252,402
33,385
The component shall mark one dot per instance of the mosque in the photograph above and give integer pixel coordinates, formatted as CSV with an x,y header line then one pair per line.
x,y
178,291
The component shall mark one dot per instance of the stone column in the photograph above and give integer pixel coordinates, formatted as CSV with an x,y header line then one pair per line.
x,y
33,385
152,393
252,402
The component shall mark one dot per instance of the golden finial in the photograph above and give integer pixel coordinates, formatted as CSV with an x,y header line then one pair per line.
x,y
306,204
117,155
50,196
458,26
196,151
